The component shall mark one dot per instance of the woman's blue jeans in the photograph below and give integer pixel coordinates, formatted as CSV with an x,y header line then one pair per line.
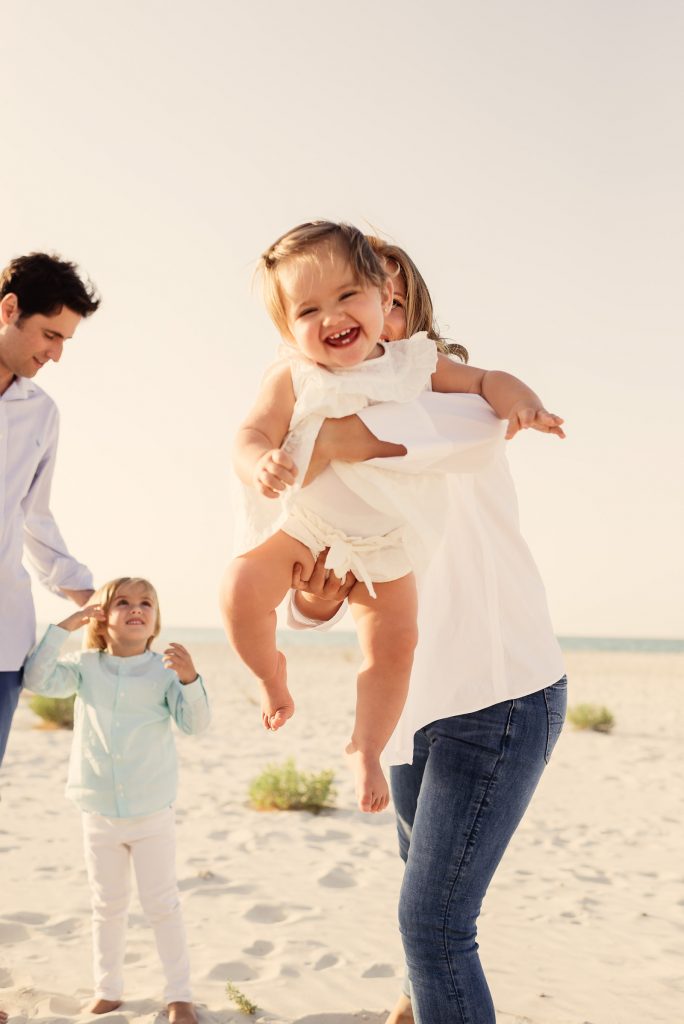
x,y
457,807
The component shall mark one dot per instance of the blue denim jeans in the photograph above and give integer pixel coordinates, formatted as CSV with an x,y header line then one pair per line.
x,y
457,808
10,688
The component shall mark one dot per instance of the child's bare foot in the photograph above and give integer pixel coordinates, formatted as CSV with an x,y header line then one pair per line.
x,y
104,1005
402,1012
372,790
276,700
182,1013
3,1017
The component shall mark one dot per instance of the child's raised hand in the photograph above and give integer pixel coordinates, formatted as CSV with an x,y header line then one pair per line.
x,y
82,616
177,658
274,471
524,416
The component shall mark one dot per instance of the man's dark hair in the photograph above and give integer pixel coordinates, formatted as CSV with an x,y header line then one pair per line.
x,y
45,284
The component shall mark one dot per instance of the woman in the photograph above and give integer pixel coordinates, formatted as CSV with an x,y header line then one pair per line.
x,y
488,694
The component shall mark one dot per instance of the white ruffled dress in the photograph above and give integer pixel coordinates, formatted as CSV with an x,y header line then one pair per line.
x,y
378,521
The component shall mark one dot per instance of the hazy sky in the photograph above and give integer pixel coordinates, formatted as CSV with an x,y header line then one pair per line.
x,y
529,156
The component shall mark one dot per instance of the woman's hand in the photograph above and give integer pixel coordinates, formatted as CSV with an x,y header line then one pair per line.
x,y
177,658
82,617
322,594
347,439
273,472
526,415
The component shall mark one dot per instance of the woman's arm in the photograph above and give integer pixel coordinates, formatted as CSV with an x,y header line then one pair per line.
x,y
509,397
257,457
347,439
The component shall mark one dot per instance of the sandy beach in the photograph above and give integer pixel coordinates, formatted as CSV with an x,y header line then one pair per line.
x,y
584,921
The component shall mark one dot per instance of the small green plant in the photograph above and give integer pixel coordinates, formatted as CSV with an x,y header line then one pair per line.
x,y
283,788
591,716
57,712
243,1004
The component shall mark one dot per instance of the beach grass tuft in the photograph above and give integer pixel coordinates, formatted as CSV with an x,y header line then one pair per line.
x,y
591,716
243,1004
56,712
284,788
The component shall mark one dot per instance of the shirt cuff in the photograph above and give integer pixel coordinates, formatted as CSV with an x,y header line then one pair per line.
x,y
194,691
297,620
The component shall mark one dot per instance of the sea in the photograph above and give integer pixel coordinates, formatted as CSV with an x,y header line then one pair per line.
x,y
347,638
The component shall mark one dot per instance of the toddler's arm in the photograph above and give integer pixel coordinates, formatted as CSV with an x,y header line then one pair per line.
x,y
257,457
509,398
45,673
186,697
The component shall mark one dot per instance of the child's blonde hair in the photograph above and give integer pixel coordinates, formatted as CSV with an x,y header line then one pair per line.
x,y
95,637
304,243
420,314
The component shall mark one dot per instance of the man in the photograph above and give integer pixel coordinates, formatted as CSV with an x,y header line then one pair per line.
x,y
42,301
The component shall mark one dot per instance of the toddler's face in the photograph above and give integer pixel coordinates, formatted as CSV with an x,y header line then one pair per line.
x,y
333,319
132,614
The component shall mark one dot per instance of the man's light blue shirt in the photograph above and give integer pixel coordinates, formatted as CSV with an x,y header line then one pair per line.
x,y
123,756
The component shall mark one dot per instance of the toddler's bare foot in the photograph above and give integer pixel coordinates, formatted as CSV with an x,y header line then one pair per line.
x,y
3,1017
402,1012
276,700
104,1005
372,790
182,1013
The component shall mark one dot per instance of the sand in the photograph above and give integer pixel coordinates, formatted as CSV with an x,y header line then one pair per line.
x,y
583,922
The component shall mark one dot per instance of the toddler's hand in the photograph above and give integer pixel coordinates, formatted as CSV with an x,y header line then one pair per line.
x,y
177,658
524,416
82,616
274,471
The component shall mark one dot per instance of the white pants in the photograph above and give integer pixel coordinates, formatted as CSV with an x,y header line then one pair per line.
x,y
150,842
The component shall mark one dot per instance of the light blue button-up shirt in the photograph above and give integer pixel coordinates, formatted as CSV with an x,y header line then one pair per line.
x,y
123,756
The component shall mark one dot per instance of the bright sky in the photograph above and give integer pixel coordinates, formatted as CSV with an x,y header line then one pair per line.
x,y
529,156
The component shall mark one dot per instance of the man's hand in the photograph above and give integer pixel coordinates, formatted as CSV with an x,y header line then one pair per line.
x,y
79,597
273,472
524,416
80,618
177,658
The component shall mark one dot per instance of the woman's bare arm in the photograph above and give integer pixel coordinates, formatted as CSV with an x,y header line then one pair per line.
x,y
348,440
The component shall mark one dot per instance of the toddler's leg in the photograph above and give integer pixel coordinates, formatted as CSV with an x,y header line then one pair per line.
x,y
388,635
153,849
108,866
253,586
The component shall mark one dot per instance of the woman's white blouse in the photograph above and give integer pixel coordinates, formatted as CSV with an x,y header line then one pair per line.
x,y
485,634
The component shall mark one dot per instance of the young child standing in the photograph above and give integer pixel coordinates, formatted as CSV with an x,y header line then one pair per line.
x,y
329,293
123,772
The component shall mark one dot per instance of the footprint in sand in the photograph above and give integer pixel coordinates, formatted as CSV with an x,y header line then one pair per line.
x,y
13,933
379,971
27,917
233,971
64,1004
337,878
266,913
259,948
61,928
329,960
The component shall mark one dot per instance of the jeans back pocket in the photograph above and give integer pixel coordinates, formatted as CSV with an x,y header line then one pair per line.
x,y
556,699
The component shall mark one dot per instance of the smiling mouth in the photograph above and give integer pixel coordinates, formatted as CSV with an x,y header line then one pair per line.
x,y
135,622
343,338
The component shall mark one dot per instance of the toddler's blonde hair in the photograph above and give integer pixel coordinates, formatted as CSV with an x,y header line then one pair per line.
x,y
420,314
95,637
305,243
